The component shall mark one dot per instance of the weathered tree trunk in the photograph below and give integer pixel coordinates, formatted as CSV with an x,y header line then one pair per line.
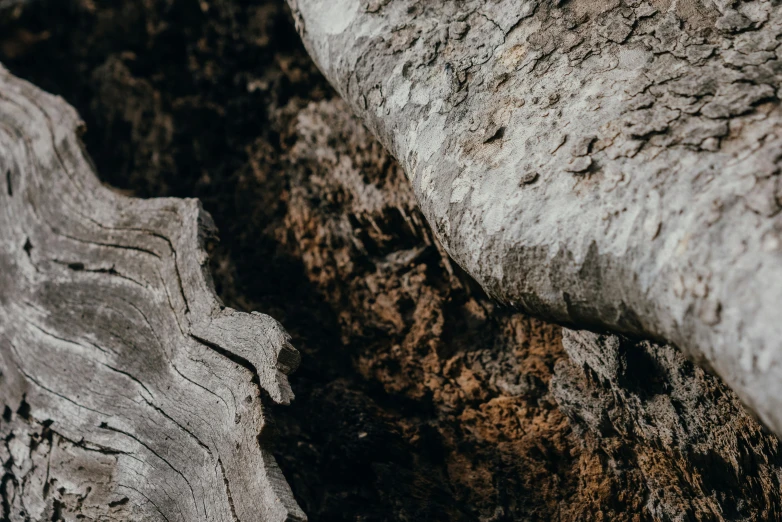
x,y
471,421
130,392
600,164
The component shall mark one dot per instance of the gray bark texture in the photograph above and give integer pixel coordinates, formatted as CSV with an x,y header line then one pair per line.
x,y
131,392
607,164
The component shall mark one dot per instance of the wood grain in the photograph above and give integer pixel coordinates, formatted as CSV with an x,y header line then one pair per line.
x,y
130,391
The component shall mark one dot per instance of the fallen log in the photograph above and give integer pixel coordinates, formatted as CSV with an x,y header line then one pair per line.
x,y
605,165
129,390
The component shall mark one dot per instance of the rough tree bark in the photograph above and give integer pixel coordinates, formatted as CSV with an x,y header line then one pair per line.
x,y
469,423
698,454
131,392
601,164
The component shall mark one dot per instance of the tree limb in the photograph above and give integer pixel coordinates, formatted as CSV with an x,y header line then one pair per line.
x,y
605,165
121,369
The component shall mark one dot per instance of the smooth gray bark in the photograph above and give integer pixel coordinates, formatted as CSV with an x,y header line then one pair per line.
x,y
130,391
601,164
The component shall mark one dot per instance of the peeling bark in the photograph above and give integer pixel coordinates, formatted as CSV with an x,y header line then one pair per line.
x,y
130,391
600,164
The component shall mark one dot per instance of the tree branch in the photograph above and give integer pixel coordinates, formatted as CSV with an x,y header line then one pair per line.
x,y
121,368
604,165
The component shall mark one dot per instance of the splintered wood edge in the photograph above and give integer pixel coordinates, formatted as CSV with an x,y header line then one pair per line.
x,y
112,337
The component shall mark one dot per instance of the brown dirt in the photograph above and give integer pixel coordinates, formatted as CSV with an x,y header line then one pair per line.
x,y
418,398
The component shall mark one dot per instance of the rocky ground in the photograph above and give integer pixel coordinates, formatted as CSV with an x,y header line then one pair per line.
x,y
417,398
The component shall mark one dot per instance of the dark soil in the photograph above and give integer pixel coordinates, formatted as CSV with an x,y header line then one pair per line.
x,y
417,398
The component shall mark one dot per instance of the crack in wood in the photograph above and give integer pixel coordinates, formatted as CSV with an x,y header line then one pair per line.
x,y
117,355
